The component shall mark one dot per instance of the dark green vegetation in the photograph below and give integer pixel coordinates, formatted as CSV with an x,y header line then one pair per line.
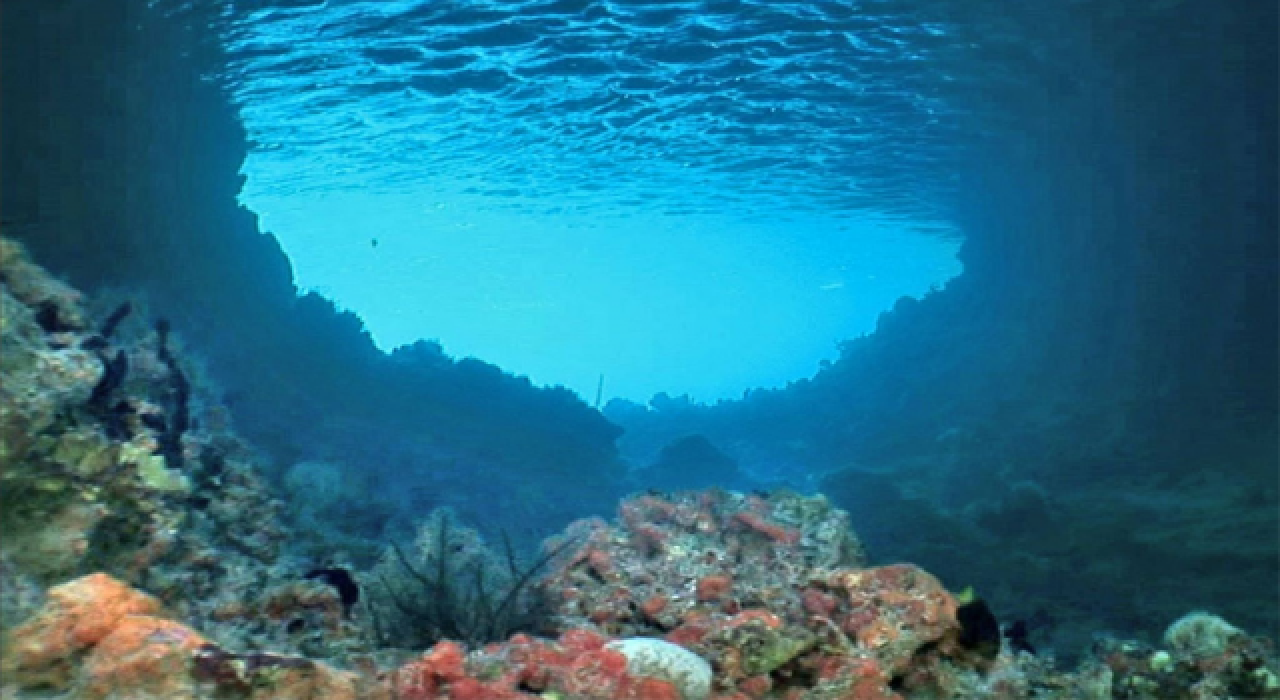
x,y
449,585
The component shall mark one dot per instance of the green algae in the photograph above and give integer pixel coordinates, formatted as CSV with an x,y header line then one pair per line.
x,y
157,476
764,649
85,453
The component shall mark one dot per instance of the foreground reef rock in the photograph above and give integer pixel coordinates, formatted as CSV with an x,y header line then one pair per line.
x,y
97,638
143,557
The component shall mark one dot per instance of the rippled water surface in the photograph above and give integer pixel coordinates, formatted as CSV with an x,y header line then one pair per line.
x,y
736,155
678,106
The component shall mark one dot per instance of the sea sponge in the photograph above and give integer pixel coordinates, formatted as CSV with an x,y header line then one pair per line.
x,y
1200,635
76,616
143,657
655,658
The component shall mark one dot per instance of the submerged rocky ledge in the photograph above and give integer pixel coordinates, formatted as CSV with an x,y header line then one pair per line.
x,y
144,556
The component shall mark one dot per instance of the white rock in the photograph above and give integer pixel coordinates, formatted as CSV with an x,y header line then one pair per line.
x,y
655,658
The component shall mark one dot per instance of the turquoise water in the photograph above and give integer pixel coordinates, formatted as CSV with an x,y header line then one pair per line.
x,y
752,107
576,189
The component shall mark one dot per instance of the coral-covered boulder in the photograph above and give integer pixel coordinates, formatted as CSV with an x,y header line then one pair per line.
x,y
892,611
76,616
769,590
143,658
103,640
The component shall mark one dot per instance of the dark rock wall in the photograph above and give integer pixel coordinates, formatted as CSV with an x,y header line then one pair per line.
x,y
1074,423
1134,222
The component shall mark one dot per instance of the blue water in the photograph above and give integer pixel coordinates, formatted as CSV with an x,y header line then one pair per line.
x,y
677,106
687,197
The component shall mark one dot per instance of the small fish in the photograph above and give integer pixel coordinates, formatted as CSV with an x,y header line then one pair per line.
x,y
373,242
979,630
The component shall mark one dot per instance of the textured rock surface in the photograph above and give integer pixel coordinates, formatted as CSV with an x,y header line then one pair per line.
x,y
655,658
76,616
142,658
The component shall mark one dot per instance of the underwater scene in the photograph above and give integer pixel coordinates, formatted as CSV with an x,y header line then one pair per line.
x,y
639,349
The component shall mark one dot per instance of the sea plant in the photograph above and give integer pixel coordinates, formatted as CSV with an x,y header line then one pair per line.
x,y
448,584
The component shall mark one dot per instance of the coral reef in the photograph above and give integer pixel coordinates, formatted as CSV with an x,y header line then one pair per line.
x,y
578,665
98,638
1212,660
77,616
88,446
103,640
768,589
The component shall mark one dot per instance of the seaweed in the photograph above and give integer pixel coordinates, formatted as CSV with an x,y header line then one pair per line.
x,y
113,321
445,600
115,370
113,374
100,340
113,416
170,442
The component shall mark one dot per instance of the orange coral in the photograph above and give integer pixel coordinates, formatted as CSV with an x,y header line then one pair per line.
x,y
816,602
894,610
580,640
600,563
649,540
654,606
695,628
576,666
713,588
653,689
756,686
777,533
764,617
76,616
110,637
142,657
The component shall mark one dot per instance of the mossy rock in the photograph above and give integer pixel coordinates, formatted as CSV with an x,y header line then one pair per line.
x,y
85,453
764,650
31,493
157,476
